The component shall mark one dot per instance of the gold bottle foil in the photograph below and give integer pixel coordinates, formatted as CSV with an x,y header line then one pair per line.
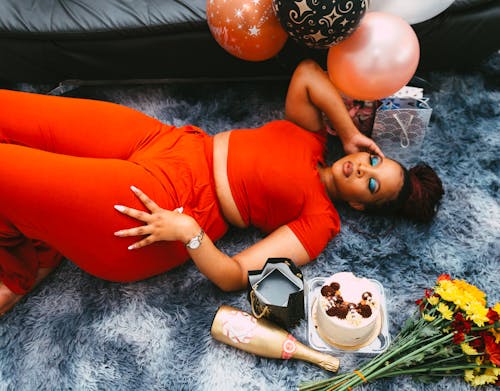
x,y
263,338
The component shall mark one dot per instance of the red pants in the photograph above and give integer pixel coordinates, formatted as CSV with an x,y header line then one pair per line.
x,y
65,162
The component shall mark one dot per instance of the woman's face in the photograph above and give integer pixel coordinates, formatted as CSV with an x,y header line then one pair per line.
x,y
362,178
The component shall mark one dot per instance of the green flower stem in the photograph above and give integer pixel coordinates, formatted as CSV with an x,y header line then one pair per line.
x,y
353,379
412,371
495,325
323,384
415,352
438,376
439,362
401,350
374,373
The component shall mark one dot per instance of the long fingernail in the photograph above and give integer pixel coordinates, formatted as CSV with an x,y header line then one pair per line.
x,y
131,247
118,233
120,208
134,189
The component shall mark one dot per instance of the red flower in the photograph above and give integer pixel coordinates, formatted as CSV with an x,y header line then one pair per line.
x,y
492,349
444,277
428,293
458,338
492,316
460,324
477,344
459,317
420,303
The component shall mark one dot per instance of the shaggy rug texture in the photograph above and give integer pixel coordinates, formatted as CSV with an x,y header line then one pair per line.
x,y
76,332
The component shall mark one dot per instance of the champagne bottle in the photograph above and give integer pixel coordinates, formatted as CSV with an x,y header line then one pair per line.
x,y
262,337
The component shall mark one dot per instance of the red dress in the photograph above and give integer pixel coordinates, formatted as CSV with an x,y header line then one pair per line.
x,y
272,172
65,162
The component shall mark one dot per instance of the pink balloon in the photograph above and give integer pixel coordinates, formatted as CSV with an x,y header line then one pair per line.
x,y
377,60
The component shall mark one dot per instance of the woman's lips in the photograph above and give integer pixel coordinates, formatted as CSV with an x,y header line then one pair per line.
x,y
347,168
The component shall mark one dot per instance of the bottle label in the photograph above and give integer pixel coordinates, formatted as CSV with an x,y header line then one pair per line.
x,y
289,347
239,327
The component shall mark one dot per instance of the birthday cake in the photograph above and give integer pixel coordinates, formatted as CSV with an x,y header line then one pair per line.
x,y
348,310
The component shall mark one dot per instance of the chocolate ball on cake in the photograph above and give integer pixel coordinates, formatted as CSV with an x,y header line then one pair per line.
x,y
365,310
327,291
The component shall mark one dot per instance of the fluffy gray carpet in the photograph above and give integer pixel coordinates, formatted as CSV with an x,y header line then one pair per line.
x,y
75,332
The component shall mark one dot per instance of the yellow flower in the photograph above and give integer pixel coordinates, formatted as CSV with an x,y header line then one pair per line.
x,y
496,308
469,375
489,376
474,377
483,379
479,360
447,290
477,313
472,290
428,318
433,300
467,349
466,296
445,311
496,334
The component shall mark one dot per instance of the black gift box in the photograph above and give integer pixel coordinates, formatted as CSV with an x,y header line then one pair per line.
x,y
277,292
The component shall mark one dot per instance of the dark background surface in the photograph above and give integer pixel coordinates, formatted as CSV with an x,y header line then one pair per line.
x,y
51,41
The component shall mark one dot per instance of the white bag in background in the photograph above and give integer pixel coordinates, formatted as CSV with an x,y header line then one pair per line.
x,y
400,126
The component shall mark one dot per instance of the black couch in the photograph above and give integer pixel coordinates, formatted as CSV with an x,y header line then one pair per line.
x,y
56,40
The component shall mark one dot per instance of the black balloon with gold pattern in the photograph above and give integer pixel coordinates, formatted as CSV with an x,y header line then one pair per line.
x,y
319,24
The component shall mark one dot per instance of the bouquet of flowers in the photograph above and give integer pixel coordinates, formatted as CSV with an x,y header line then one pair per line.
x,y
453,333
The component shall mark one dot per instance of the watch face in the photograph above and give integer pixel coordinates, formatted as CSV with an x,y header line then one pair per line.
x,y
194,243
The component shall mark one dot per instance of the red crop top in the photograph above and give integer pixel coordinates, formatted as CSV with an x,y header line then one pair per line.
x,y
273,176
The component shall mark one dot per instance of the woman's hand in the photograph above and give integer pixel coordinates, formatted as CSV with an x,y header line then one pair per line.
x,y
160,224
358,142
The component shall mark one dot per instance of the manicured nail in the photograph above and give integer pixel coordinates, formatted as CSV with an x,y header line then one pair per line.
x,y
131,247
134,189
118,233
120,208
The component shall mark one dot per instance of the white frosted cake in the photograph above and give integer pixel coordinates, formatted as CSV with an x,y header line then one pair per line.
x,y
348,310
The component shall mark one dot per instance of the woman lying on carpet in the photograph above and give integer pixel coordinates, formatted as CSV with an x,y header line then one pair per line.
x,y
67,166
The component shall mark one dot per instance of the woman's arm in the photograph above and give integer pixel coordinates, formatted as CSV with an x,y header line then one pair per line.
x,y
231,273
228,273
312,93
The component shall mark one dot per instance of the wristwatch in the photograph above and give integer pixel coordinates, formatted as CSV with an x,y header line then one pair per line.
x,y
195,242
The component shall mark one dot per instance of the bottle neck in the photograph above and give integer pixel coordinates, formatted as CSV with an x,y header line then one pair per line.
x,y
323,360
